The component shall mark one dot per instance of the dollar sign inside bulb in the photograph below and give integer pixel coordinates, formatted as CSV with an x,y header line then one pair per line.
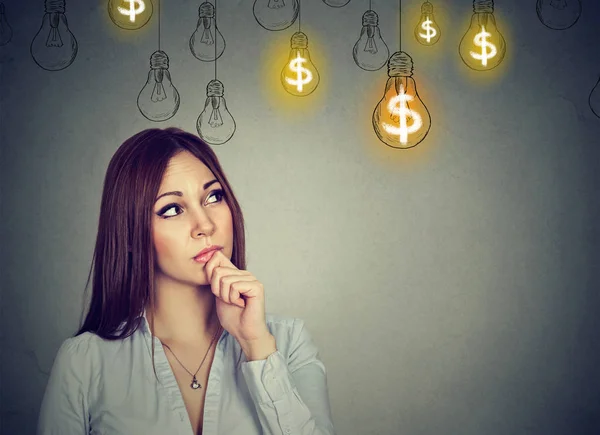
x,y
400,119
130,14
54,47
206,35
158,100
336,3
482,47
427,31
299,76
275,14
5,29
370,51
215,124
558,14
594,99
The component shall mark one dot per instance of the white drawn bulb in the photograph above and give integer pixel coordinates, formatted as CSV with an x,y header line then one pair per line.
x,y
206,35
215,124
370,51
158,100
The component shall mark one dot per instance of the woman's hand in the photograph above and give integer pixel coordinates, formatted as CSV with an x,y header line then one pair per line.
x,y
240,299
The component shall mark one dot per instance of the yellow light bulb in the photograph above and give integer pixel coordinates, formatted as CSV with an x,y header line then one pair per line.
x,y
130,14
400,119
482,47
427,31
299,75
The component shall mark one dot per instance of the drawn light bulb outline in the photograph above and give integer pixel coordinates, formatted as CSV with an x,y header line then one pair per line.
x,y
427,31
594,99
401,119
206,35
558,14
275,15
54,47
482,47
299,75
130,14
215,124
336,3
158,100
5,29
370,52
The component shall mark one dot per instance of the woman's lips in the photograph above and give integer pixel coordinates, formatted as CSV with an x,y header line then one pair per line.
x,y
205,257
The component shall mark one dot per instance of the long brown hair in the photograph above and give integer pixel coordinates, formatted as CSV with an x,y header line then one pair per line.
x,y
123,259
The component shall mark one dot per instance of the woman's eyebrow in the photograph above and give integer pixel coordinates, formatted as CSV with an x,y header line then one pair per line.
x,y
179,193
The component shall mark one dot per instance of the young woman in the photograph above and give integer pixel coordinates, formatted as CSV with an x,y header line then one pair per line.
x,y
176,339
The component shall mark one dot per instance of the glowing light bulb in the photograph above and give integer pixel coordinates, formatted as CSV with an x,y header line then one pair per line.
x,y
215,124
594,99
400,119
158,100
427,31
370,51
336,3
558,14
206,35
275,14
130,14
54,47
299,76
5,29
483,47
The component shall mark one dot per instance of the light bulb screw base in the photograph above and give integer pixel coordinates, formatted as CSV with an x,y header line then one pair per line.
x,y
483,6
53,6
427,8
159,60
299,40
370,18
400,64
214,88
206,10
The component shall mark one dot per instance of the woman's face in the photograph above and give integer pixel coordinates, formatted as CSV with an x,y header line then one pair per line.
x,y
189,220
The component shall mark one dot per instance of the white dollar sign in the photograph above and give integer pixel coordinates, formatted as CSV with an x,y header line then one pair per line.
x,y
133,10
397,107
296,66
480,41
431,32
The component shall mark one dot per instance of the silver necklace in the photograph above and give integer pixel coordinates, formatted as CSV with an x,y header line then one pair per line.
x,y
195,384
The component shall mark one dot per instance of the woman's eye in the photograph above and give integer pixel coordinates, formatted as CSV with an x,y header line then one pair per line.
x,y
217,193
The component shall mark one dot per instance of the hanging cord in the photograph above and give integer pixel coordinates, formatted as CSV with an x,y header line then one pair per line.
x,y
299,14
400,24
216,39
158,25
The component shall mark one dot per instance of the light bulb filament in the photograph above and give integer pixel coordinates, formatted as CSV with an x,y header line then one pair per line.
x,y
480,40
276,4
54,39
427,26
400,111
132,11
296,66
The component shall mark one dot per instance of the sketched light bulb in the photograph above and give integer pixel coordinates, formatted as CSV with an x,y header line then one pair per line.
x,y
427,31
275,14
206,35
336,3
558,14
158,100
400,119
299,76
130,14
594,99
482,47
54,47
5,29
370,51
215,124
